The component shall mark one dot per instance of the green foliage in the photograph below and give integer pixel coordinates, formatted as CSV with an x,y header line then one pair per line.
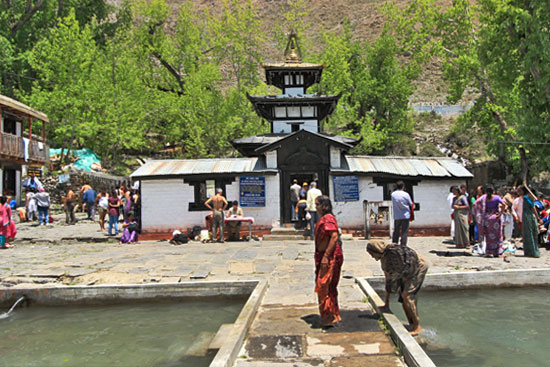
x,y
498,49
375,89
23,24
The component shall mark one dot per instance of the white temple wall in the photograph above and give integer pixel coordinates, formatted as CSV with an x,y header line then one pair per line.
x,y
430,194
350,213
165,204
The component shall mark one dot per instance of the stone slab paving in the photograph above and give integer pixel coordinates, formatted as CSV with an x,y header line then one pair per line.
x,y
285,331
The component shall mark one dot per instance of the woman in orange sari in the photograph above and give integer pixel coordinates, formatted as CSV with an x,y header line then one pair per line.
x,y
328,262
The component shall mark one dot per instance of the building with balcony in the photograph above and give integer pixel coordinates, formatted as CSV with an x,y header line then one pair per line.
x,y
21,149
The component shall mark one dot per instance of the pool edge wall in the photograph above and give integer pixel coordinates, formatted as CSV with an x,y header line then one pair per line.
x,y
413,354
112,294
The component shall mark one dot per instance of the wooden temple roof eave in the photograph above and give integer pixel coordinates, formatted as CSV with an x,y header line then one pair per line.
x,y
294,100
10,104
277,144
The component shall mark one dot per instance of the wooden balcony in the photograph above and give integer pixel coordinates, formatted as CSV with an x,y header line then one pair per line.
x,y
12,148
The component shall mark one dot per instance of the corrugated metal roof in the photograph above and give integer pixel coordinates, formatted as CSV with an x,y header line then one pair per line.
x,y
175,167
408,166
20,107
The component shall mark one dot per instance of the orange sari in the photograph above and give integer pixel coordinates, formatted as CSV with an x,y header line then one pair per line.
x,y
326,284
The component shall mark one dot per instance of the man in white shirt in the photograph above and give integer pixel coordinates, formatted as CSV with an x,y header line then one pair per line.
x,y
234,228
401,205
312,194
294,198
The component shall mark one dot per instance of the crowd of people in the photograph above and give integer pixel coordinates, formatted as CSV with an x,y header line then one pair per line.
x,y
119,202
486,218
489,219
302,205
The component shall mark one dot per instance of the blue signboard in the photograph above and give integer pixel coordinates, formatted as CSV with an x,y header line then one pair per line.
x,y
252,191
346,188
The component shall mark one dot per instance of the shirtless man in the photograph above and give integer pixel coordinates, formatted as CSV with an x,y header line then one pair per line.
x,y
69,206
217,204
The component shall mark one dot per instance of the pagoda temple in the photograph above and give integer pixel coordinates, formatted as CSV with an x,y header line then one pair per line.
x,y
294,109
173,192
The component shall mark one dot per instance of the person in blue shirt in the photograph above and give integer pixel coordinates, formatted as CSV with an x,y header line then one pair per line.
x,y
89,198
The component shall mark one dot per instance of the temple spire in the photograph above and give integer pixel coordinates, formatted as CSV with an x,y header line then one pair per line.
x,y
293,54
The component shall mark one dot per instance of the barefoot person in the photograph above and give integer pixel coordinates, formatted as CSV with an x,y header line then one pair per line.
x,y
328,262
217,204
404,270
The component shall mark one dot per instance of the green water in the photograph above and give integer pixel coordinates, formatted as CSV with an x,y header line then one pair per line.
x,y
133,335
489,328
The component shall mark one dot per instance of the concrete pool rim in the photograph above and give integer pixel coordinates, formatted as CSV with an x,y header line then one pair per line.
x,y
413,354
114,293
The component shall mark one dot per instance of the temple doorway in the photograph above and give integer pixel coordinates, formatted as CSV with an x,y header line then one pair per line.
x,y
320,176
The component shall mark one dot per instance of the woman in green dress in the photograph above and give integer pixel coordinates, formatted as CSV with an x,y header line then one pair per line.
x,y
460,217
529,229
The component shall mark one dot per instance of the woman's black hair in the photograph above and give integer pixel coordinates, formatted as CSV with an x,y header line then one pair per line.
x,y
3,200
489,190
325,204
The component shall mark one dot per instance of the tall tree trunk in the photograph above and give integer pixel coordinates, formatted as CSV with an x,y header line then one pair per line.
x,y
524,165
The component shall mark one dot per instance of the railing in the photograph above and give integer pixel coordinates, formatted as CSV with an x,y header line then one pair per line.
x,y
13,147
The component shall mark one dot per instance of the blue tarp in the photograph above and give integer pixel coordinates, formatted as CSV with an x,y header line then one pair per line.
x,y
85,158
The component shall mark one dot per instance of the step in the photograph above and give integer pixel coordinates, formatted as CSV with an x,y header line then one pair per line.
x,y
280,230
281,237
221,336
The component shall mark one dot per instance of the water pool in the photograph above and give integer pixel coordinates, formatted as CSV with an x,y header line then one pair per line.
x,y
491,328
141,334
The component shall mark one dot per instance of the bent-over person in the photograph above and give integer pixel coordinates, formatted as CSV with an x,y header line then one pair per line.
x,y
217,204
404,270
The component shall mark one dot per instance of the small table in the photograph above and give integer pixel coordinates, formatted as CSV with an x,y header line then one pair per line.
x,y
250,221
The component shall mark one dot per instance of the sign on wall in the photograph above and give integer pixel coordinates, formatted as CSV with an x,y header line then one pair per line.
x,y
346,188
64,178
252,191
34,170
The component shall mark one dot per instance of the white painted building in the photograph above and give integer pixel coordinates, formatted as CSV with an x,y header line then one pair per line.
x,y
173,191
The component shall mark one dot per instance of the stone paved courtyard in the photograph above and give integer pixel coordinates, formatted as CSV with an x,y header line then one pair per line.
x,y
285,331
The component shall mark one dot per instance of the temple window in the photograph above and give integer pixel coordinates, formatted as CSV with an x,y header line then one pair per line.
x,y
204,189
308,111
293,111
280,112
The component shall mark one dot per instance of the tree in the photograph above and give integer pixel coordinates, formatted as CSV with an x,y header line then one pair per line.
x,y
64,63
497,49
375,89
23,24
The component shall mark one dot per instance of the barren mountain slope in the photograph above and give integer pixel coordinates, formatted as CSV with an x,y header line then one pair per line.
x,y
365,15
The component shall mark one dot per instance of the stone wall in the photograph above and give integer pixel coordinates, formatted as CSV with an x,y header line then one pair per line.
x,y
98,181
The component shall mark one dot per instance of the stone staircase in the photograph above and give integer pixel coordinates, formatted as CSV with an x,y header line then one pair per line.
x,y
286,232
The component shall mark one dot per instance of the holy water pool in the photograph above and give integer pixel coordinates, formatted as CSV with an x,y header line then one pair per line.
x,y
133,335
490,328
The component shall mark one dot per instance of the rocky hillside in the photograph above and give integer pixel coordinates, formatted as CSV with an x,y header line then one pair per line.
x,y
364,15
